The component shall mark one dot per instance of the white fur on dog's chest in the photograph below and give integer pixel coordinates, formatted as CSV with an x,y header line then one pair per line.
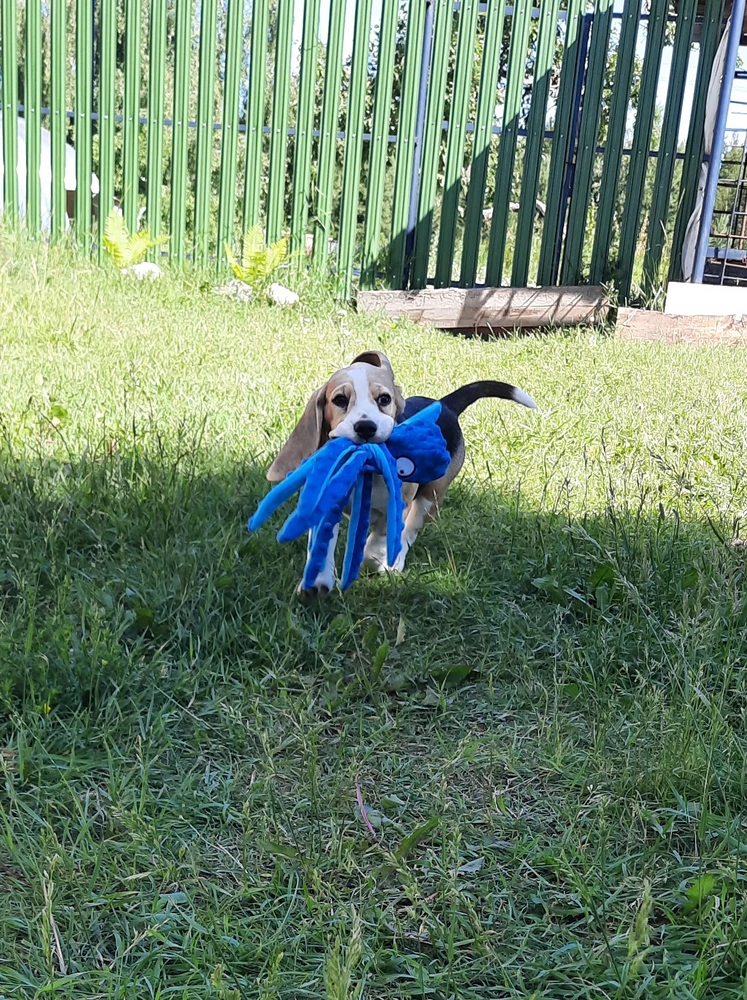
x,y
379,495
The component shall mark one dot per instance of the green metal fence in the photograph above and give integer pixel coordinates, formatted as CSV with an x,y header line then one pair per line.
x,y
399,144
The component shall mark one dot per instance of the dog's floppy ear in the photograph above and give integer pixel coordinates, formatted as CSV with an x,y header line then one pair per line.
x,y
304,440
379,360
375,358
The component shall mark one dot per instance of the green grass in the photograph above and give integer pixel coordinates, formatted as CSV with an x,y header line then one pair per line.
x,y
545,715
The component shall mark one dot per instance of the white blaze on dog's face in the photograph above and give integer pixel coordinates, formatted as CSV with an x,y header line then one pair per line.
x,y
360,404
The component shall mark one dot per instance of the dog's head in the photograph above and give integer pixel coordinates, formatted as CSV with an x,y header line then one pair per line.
x,y
360,402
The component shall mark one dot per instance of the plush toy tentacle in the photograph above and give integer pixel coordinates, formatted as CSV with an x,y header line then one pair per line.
x,y
394,510
360,515
324,492
278,496
314,495
321,536
332,499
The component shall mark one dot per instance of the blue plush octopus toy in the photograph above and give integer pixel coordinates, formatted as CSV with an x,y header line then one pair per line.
x,y
341,474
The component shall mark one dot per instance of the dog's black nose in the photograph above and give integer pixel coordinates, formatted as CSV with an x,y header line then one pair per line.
x,y
365,429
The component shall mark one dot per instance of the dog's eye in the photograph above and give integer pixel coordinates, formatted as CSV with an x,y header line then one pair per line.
x,y
384,399
341,401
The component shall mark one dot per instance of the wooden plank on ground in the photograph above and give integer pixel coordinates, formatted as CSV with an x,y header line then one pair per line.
x,y
639,324
491,308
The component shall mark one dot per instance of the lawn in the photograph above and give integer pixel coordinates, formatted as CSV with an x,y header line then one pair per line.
x,y
544,716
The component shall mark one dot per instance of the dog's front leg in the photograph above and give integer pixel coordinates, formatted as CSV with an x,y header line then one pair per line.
x,y
325,581
415,518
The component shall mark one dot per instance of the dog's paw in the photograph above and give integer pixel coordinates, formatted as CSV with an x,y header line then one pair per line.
x,y
323,584
373,566
374,555
315,593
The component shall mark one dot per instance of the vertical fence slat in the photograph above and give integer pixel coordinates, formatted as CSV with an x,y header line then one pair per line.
x,y
255,135
379,145
131,124
205,109
517,58
156,94
560,140
587,143
668,145
483,134
691,165
405,147
9,68
614,143
32,100
644,120
456,138
279,134
83,124
535,141
180,128
353,145
305,124
230,130
328,132
432,139
107,74
58,118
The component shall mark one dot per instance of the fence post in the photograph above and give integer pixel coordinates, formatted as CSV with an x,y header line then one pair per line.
x,y
614,143
156,87
131,123
58,117
432,139
205,111
32,100
644,119
83,135
405,147
230,130
481,141
379,143
570,161
279,136
517,60
255,115
425,68
353,145
180,127
107,71
717,149
10,109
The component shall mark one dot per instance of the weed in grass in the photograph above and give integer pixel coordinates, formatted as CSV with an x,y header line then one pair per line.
x,y
544,717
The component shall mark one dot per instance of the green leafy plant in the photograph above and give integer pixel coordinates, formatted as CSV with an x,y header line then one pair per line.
x,y
258,262
125,249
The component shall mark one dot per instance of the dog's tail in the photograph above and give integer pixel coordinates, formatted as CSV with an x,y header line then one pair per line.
x,y
460,399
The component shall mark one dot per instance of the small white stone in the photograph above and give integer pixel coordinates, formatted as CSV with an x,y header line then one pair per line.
x,y
282,296
146,269
235,289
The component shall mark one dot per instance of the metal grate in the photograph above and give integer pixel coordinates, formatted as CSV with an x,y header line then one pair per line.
x,y
727,254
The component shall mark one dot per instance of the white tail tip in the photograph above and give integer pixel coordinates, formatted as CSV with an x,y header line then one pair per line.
x,y
524,398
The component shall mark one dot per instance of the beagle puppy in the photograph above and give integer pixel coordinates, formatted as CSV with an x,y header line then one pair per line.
x,y
363,404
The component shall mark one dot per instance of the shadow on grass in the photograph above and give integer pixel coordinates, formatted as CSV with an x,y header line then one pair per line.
x,y
137,569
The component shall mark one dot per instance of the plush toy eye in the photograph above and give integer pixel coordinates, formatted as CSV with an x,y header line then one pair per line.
x,y
405,467
341,401
384,399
